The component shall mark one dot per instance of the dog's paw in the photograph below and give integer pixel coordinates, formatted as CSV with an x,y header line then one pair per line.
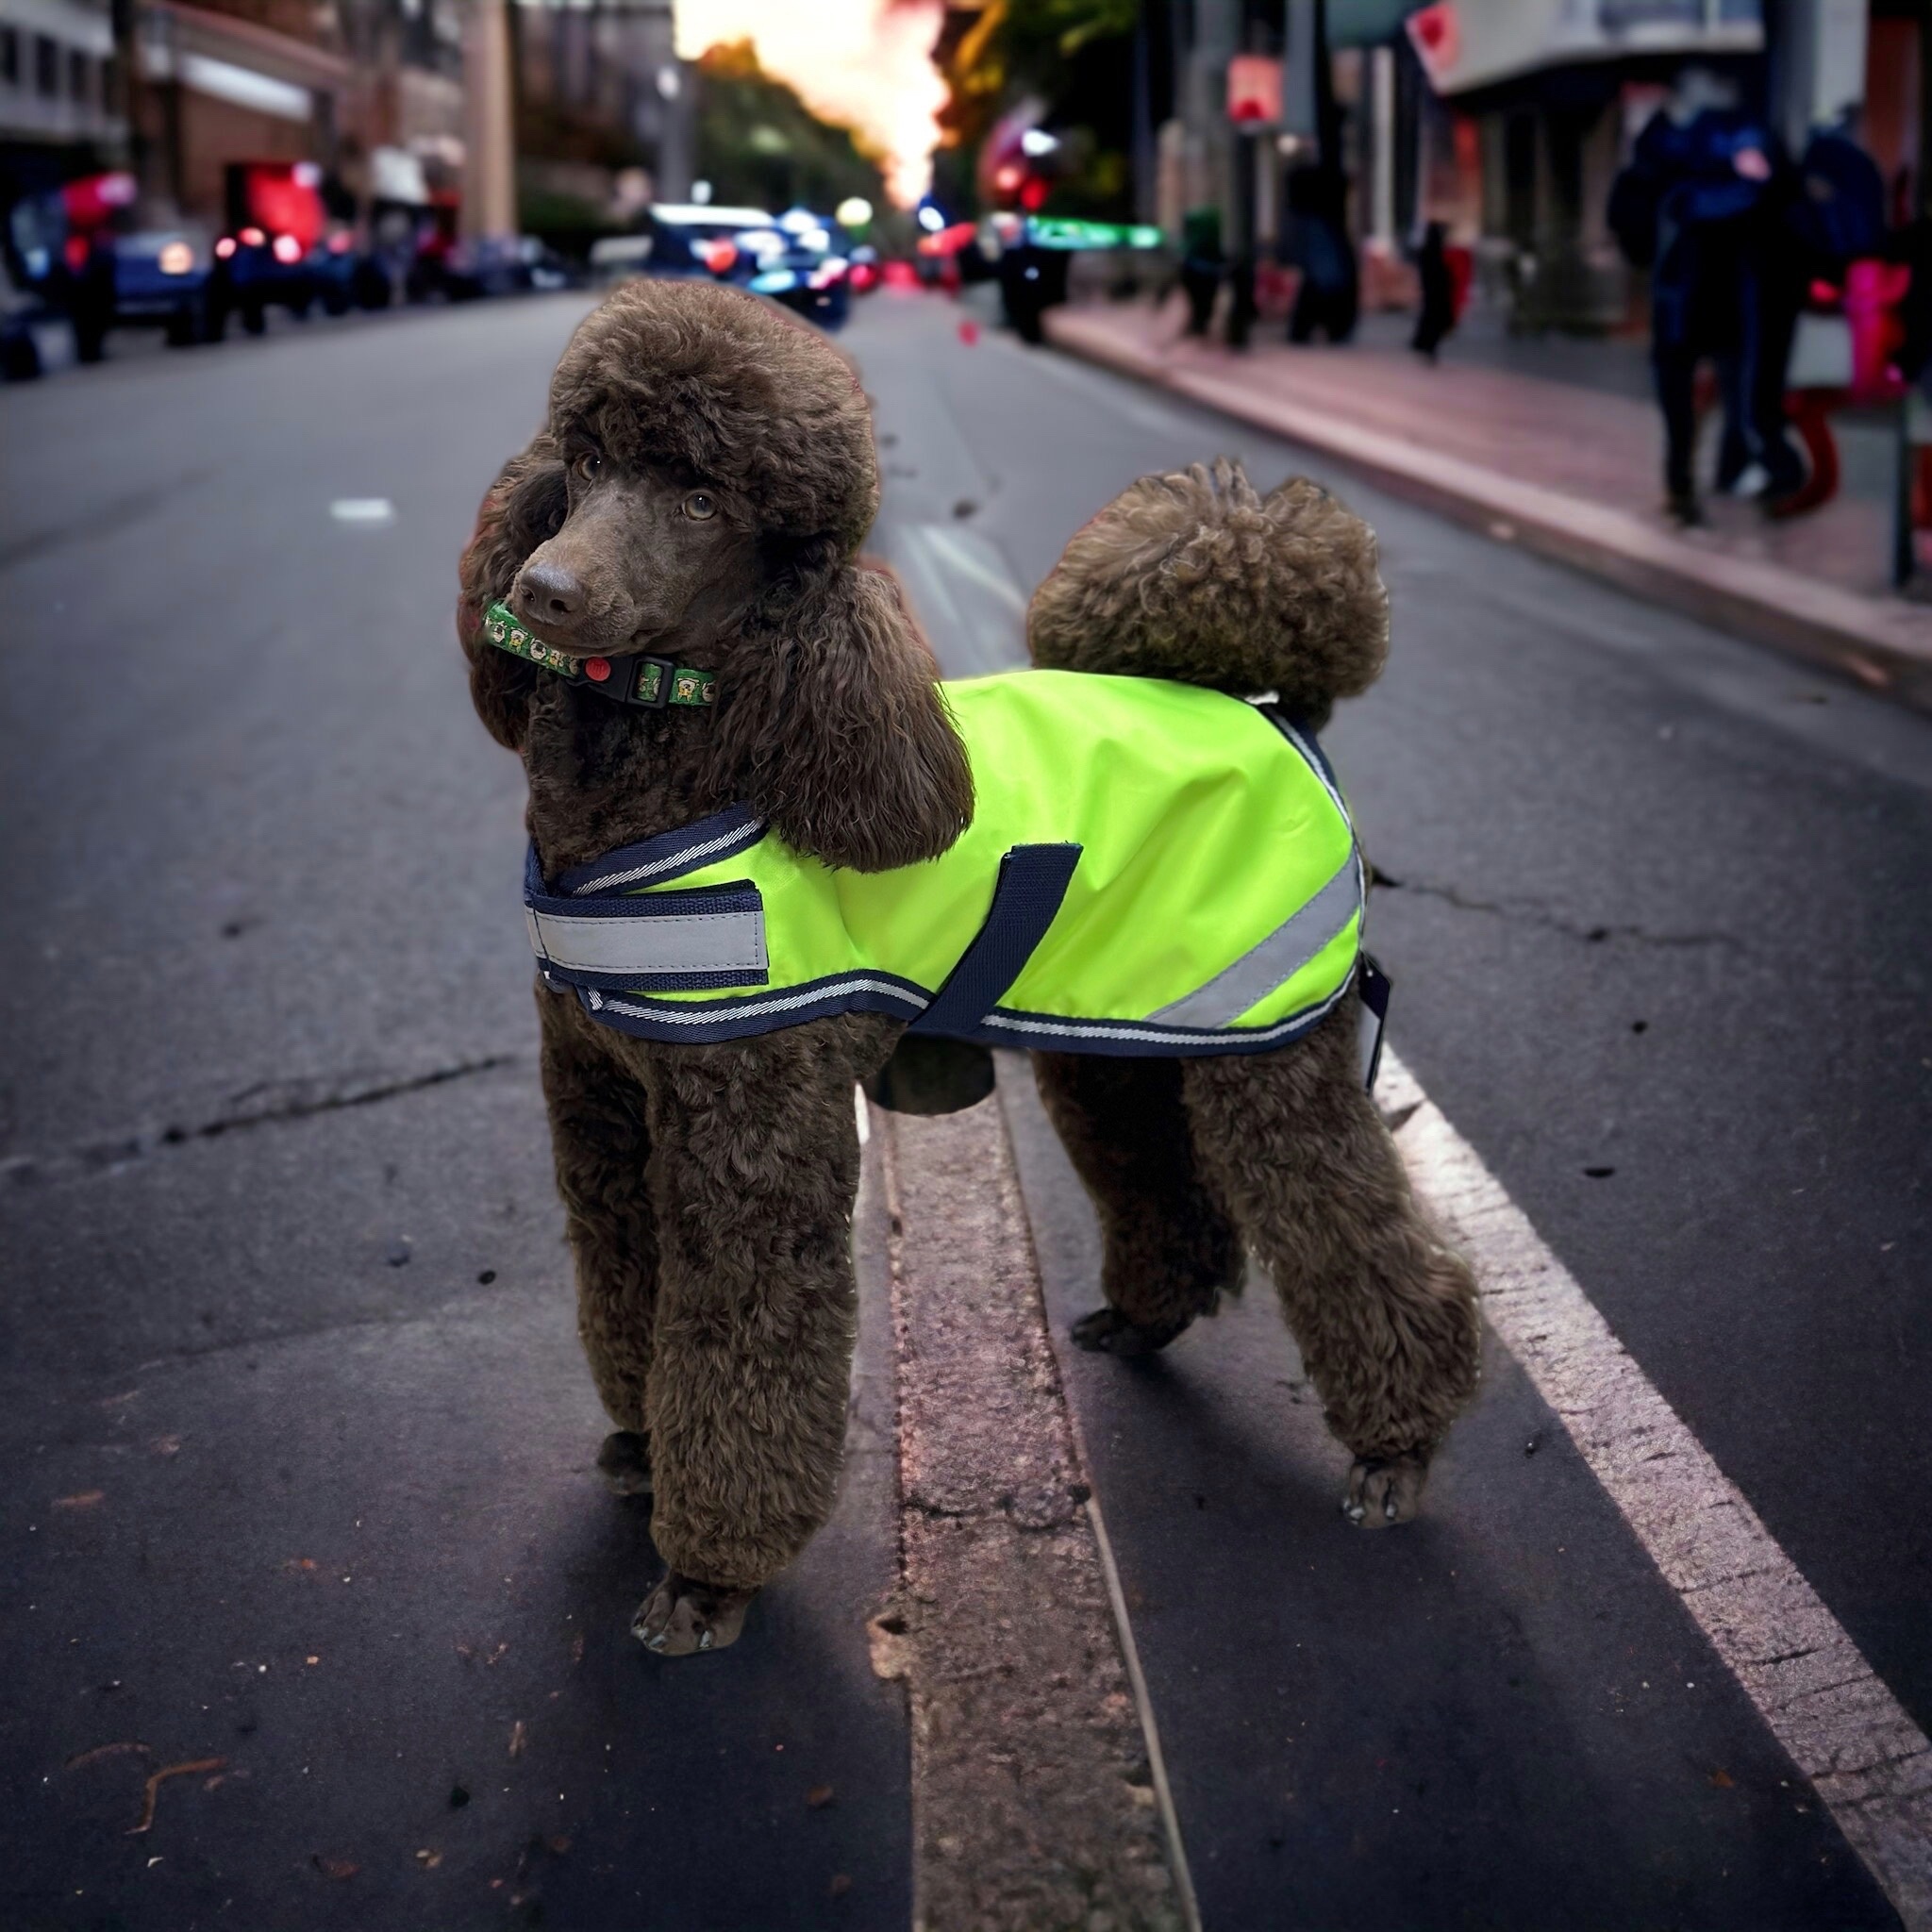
x,y
1107,1331
1384,1491
681,1617
624,1463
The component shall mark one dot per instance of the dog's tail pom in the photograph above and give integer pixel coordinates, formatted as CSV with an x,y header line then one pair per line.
x,y
1194,575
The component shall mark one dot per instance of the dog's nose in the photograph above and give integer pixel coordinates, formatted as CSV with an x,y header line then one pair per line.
x,y
549,594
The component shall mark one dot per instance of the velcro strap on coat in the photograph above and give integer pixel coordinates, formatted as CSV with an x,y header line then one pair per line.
x,y
649,941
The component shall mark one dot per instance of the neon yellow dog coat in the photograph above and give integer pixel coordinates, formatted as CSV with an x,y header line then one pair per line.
x,y
1151,869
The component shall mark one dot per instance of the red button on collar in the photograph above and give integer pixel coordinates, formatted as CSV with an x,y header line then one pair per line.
x,y
597,669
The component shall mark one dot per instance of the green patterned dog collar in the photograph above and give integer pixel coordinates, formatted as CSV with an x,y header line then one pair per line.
x,y
652,682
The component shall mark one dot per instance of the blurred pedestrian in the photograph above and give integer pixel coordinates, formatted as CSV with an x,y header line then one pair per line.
x,y
1032,279
1329,296
1437,316
1697,205
1202,265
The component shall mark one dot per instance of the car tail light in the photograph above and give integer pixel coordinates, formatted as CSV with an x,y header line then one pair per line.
x,y
225,247
829,271
341,244
253,237
76,253
287,251
176,259
719,255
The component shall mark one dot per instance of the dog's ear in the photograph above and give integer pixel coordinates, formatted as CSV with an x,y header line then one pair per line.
x,y
523,508
836,729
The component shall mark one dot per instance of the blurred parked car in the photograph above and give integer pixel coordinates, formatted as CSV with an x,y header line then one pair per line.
x,y
284,249
20,308
690,240
74,252
810,269
155,275
511,265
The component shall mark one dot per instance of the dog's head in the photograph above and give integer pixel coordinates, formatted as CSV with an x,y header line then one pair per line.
x,y
699,492
1195,575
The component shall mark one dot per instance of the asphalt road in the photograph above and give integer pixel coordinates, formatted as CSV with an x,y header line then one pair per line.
x,y
297,1439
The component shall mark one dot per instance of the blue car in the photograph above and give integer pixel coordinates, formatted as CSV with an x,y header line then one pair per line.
x,y
155,276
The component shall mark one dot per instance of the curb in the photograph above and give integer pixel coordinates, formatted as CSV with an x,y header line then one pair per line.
x,y
1886,648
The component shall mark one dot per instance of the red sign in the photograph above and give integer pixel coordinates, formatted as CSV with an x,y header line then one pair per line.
x,y
1254,91
1437,37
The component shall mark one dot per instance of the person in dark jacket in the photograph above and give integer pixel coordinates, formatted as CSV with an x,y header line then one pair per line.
x,y
1329,295
1202,265
1437,316
1698,206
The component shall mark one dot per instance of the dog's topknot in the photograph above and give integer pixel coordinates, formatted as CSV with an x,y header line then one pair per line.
x,y
696,378
1195,577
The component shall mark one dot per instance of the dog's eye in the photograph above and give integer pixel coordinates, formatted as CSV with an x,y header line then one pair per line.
x,y
589,464
700,506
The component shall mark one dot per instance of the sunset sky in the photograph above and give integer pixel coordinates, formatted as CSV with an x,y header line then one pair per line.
x,y
859,62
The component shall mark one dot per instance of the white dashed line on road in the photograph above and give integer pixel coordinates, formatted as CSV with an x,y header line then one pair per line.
x,y
1869,1762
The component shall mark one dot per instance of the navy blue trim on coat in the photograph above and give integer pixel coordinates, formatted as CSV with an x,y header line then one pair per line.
x,y
750,1014
668,856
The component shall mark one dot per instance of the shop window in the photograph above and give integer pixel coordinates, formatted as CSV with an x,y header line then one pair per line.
x,y
79,77
46,66
10,56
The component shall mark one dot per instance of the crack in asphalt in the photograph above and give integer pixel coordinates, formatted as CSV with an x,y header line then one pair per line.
x,y
109,519
1532,912
301,1100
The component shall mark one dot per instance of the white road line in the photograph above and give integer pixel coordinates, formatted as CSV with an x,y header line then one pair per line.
x,y
1143,1706
1868,1761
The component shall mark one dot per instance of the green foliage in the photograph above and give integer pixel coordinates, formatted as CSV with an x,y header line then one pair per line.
x,y
760,146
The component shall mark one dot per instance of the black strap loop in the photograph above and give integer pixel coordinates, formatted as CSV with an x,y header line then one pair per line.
x,y
1025,900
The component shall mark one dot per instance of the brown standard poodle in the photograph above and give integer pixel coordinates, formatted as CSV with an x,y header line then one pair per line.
x,y
700,490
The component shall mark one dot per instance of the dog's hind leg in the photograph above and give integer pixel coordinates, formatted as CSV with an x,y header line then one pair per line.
x,y
1384,1314
602,1148
754,1160
1168,1249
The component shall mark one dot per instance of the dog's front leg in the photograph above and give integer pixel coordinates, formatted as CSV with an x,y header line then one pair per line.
x,y
755,1164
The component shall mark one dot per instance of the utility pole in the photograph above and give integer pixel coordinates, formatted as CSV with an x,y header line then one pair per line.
x,y
489,184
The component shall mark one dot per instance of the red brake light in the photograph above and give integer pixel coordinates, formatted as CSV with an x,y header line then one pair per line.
x,y
253,237
225,247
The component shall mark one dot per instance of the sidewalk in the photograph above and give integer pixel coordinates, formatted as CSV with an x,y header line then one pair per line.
x,y
1569,471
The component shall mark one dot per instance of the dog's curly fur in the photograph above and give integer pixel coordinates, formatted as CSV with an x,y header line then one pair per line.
x,y
708,1188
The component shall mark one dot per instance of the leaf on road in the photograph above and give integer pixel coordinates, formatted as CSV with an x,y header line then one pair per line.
x,y
428,1860
159,1778
519,1736
1723,1780
334,1868
85,1500
819,1796
840,1885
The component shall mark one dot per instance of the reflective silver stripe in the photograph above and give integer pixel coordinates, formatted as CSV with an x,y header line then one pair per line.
x,y
738,835
756,1008
1277,958
680,942
1061,1031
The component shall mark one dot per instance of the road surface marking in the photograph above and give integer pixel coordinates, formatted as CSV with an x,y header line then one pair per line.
x,y
1039,1794
1866,1758
362,509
